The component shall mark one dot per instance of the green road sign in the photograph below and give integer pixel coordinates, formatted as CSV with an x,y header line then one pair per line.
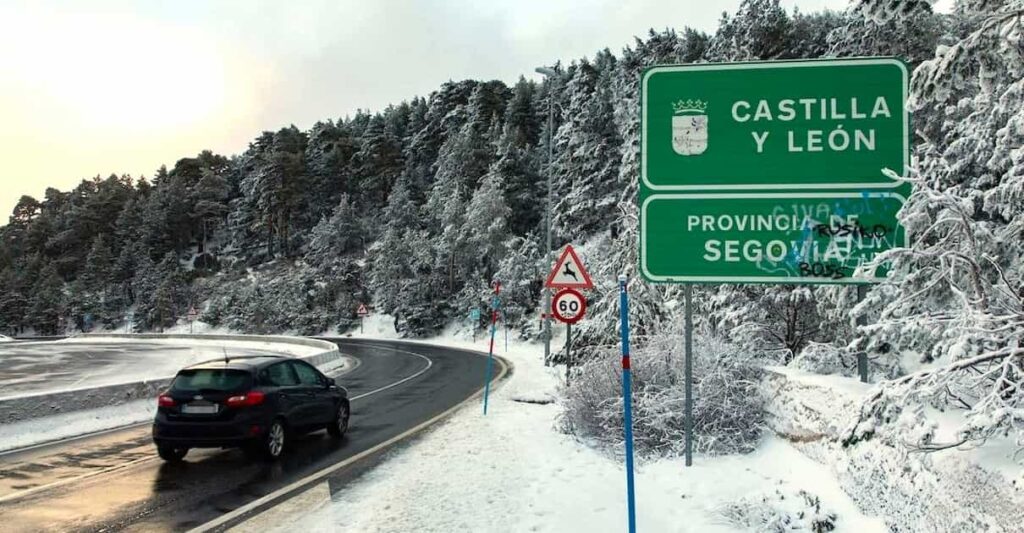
x,y
778,237
778,125
772,172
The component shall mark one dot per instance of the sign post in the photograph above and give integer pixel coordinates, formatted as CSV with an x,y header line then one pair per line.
x,y
474,320
192,315
495,303
627,400
780,172
568,306
362,312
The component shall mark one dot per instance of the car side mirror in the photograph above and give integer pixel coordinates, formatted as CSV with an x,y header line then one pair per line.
x,y
331,382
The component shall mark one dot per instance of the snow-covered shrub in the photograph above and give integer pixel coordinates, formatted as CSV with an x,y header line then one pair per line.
x,y
728,415
823,358
779,513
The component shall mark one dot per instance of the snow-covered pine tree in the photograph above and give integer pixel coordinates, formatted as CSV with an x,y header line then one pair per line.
x,y
954,300
341,233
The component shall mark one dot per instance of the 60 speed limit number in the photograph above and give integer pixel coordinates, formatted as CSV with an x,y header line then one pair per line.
x,y
568,306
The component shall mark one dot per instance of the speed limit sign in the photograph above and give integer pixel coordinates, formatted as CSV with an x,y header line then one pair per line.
x,y
568,306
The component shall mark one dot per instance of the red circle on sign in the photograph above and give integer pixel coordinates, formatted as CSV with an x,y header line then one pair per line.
x,y
568,306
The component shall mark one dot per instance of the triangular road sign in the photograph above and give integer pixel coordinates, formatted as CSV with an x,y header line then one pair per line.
x,y
569,272
362,311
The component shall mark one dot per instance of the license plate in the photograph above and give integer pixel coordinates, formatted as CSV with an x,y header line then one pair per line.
x,y
199,409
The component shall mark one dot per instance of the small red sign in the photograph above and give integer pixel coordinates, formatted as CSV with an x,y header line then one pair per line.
x,y
568,306
362,310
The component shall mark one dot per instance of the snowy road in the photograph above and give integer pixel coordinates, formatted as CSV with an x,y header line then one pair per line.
x,y
115,482
31,368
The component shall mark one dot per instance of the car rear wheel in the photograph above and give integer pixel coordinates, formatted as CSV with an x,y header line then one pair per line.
x,y
339,426
272,444
171,454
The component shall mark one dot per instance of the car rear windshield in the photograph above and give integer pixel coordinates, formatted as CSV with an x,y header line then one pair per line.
x,y
211,379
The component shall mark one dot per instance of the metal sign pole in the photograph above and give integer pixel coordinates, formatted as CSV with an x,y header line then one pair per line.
x,y
627,405
688,370
568,355
490,357
862,356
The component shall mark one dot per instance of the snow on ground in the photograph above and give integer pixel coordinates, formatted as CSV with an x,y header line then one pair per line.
x,y
196,328
967,488
513,471
208,346
375,326
65,425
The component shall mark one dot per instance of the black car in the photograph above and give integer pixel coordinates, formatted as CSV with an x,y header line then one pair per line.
x,y
254,403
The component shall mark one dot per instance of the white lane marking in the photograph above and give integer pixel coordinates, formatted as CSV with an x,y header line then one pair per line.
x,y
323,473
395,384
29,492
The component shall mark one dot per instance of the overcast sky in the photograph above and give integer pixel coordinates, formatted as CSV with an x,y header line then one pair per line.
x,y
101,87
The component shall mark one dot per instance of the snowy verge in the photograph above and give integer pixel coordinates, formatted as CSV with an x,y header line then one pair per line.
x,y
949,490
513,471
375,326
65,425
294,346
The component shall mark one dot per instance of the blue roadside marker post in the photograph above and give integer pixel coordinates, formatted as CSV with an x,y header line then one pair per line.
x,y
627,404
495,303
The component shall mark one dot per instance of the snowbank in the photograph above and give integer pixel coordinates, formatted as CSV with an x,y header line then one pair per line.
x,y
513,471
65,425
375,326
950,490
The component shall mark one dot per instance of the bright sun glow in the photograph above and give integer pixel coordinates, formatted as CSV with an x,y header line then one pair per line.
x,y
120,72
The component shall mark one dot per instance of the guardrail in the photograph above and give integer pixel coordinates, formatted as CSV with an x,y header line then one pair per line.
x,y
36,405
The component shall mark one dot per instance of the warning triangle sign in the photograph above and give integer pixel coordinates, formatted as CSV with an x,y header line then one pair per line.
x,y
362,311
569,272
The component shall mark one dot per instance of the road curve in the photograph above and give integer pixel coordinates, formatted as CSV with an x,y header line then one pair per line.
x,y
114,482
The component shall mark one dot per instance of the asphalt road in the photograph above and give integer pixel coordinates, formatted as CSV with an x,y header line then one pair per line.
x,y
115,482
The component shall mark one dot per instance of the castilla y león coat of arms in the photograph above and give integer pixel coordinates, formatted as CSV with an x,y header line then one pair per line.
x,y
690,127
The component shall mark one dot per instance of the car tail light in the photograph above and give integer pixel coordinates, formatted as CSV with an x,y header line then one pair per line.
x,y
165,400
248,399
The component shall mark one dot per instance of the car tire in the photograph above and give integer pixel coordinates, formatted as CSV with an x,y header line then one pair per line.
x,y
339,425
271,446
171,454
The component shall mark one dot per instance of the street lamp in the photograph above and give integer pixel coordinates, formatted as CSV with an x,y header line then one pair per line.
x,y
549,74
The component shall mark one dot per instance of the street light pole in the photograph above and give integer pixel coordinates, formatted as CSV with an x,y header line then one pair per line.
x,y
548,73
